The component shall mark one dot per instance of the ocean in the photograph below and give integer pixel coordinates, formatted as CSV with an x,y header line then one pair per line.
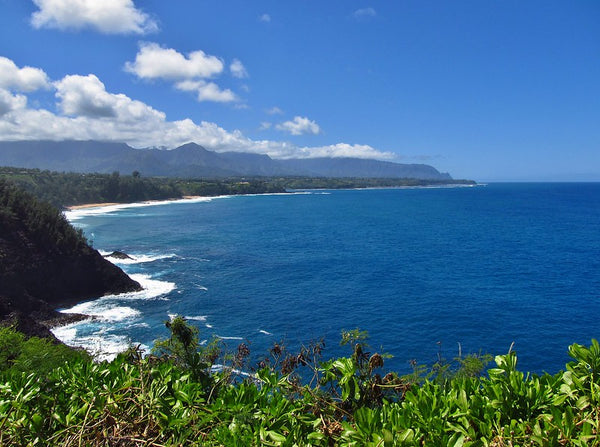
x,y
426,271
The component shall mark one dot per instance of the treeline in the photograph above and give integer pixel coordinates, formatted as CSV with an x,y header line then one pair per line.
x,y
38,222
173,397
66,189
353,183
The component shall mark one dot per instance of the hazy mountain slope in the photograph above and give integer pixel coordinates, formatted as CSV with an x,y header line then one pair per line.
x,y
192,160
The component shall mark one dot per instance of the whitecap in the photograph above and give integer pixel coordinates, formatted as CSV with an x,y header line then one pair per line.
x,y
152,288
264,332
229,338
100,345
196,317
103,311
208,325
137,258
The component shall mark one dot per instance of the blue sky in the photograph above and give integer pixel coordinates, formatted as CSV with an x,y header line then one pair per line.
x,y
487,90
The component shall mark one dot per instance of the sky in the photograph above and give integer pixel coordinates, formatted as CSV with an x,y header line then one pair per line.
x,y
502,90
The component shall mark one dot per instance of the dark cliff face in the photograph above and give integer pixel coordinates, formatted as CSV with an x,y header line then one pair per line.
x,y
46,264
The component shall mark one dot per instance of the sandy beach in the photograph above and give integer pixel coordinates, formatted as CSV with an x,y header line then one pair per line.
x,y
98,205
90,205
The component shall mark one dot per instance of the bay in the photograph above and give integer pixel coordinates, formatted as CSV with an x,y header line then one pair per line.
x,y
421,270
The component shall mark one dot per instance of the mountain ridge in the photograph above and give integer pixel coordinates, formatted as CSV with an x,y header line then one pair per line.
x,y
194,161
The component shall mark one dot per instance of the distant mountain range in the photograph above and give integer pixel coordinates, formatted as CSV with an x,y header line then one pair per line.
x,y
194,161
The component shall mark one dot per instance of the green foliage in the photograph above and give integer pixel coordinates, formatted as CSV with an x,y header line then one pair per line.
x,y
65,189
23,355
156,401
46,224
184,349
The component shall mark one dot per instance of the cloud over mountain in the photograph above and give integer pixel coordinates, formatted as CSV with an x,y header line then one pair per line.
x,y
85,110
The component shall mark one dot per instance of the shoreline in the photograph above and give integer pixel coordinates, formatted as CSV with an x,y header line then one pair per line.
x,y
103,204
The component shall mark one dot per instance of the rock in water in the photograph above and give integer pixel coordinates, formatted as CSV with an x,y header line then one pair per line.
x,y
118,255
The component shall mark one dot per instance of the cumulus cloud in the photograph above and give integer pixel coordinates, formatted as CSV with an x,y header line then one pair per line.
x,y
264,18
87,111
155,62
106,16
26,79
207,91
238,70
265,125
364,13
345,150
10,102
299,125
86,96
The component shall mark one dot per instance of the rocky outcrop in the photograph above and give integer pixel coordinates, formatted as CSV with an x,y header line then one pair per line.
x,y
46,264
118,255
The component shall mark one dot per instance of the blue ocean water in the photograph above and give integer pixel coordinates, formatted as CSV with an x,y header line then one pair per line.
x,y
421,270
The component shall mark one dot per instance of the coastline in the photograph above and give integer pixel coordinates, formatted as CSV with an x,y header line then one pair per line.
x,y
104,204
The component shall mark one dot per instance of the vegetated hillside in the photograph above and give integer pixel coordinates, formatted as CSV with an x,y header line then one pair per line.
x,y
45,263
65,189
194,161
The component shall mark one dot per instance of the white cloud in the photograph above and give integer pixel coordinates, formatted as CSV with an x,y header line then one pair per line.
x,y
86,96
364,13
10,102
238,70
274,111
106,16
207,91
265,125
87,111
299,125
155,62
344,150
26,79
264,18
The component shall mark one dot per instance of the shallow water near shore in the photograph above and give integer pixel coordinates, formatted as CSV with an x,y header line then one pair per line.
x,y
421,270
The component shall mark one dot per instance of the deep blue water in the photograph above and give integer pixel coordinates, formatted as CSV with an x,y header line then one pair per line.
x,y
482,266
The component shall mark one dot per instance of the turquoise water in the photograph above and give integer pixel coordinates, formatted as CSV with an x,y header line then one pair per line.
x,y
419,269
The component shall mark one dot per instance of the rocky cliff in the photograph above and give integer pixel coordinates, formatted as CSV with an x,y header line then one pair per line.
x,y
46,264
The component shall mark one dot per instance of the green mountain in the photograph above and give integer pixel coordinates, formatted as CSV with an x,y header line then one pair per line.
x,y
194,161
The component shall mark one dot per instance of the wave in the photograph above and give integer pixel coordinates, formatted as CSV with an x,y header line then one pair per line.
x,y
264,332
196,318
229,338
102,311
100,344
152,289
136,258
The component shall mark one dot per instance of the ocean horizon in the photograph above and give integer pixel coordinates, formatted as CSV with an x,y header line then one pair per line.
x,y
426,271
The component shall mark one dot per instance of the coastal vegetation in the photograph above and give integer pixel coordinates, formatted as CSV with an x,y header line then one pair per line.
x,y
186,393
178,396
67,189
45,263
